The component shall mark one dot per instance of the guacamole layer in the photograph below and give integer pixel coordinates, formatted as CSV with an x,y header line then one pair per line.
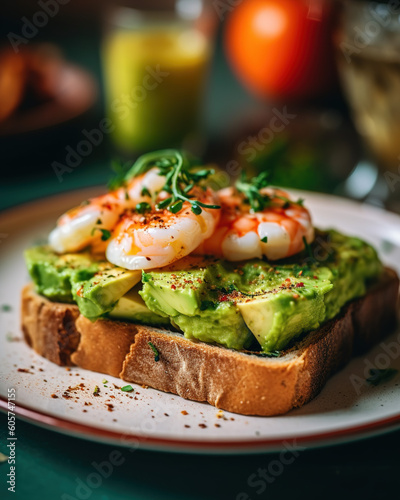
x,y
246,305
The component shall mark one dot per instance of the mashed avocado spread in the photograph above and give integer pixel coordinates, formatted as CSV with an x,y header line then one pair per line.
x,y
237,305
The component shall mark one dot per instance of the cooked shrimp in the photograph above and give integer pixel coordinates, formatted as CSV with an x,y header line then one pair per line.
x,y
276,232
83,225
160,237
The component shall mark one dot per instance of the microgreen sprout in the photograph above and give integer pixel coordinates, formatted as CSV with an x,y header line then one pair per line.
x,y
180,178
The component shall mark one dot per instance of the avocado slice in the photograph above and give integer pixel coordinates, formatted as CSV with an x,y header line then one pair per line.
x,y
52,273
131,307
185,293
222,324
282,314
340,272
94,284
100,294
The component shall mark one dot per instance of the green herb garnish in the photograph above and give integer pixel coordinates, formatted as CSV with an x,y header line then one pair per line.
x,y
180,178
156,353
127,388
208,304
229,289
96,391
145,192
250,188
288,201
271,354
143,207
146,277
377,376
6,308
265,239
258,201
105,233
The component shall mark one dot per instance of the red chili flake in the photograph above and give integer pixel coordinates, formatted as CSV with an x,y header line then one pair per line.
x,y
316,277
300,273
173,287
299,285
287,279
184,412
296,295
79,292
223,298
54,396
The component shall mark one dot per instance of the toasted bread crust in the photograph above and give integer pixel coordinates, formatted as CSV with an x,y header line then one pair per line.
x,y
230,380
49,327
104,345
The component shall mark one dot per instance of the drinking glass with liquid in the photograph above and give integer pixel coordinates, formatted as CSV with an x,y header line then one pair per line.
x,y
368,54
155,65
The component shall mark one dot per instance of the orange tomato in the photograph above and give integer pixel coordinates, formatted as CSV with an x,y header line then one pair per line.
x,y
282,48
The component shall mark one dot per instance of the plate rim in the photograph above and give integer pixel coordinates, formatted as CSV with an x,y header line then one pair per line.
x,y
215,446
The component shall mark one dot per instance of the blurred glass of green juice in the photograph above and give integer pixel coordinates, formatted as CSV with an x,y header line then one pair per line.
x,y
154,74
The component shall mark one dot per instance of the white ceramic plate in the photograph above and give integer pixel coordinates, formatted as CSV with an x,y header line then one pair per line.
x,y
345,410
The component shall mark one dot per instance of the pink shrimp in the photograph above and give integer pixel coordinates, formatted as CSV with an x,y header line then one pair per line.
x,y
86,225
276,232
159,237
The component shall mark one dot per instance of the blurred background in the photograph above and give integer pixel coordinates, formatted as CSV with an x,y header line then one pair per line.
x,y
306,89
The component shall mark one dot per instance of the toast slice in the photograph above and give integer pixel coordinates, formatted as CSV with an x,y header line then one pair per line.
x,y
239,382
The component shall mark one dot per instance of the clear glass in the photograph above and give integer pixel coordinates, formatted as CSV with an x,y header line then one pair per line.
x,y
368,53
155,67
